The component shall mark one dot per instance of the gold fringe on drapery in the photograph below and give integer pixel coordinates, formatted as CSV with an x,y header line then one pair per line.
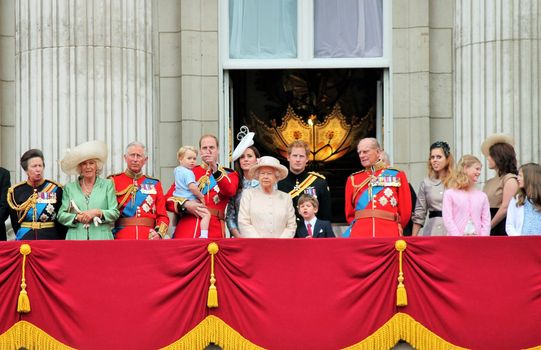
x,y
212,300
23,304
25,335
212,330
401,295
403,327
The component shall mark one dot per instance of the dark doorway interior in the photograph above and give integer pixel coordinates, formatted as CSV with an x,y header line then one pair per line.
x,y
266,94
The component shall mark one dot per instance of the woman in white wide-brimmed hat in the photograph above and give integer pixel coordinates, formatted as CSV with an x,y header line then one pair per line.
x,y
501,157
267,212
89,207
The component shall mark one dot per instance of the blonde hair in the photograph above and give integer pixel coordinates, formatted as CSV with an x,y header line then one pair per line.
x,y
182,151
458,178
531,191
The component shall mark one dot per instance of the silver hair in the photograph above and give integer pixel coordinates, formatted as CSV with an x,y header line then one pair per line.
x,y
373,141
136,144
276,172
384,157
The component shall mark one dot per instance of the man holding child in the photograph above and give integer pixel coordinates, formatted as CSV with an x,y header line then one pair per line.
x,y
216,183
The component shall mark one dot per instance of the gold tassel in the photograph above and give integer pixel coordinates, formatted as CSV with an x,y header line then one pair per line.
x,y
23,304
401,295
212,300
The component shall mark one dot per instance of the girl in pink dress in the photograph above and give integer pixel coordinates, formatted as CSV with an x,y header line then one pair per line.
x,y
465,209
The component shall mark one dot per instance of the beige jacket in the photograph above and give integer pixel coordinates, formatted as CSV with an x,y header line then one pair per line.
x,y
264,215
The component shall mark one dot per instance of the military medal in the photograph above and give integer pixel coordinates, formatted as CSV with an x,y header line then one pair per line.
x,y
311,191
148,189
216,199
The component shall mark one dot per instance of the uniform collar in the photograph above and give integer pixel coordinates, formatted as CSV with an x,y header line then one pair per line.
x,y
378,166
133,175
300,175
39,183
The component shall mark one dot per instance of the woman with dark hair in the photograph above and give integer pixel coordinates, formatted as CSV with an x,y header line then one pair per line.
x,y
524,212
34,203
501,157
430,195
244,156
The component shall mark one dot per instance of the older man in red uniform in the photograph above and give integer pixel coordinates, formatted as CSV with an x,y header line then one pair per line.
x,y
140,199
378,200
216,183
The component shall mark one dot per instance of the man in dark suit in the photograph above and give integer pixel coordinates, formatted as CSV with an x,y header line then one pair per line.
x,y
5,184
311,226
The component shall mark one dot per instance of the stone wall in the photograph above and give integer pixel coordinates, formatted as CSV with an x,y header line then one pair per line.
x,y
421,81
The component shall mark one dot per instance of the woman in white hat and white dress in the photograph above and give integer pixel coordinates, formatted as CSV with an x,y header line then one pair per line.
x,y
267,212
89,208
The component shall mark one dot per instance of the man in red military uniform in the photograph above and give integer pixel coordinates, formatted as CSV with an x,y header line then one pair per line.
x,y
216,183
141,201
378,200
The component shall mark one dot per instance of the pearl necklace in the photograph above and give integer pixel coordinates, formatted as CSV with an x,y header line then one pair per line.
x,y
86,189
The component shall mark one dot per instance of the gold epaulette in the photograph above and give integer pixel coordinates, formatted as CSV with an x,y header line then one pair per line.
x,y
11,192
17,185
358,172
317,174
394,168
229,170
113,175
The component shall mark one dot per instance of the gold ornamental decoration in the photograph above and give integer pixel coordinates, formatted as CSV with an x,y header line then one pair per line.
x,y
329,140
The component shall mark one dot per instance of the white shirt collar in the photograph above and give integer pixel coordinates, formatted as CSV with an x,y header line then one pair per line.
x,y
313,222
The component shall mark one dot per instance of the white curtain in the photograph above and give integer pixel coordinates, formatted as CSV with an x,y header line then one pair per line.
x,y
262,28
348,28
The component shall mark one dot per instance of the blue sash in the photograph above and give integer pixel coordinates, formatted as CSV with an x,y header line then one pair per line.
x,y
364,199
40,207
212,182
131,207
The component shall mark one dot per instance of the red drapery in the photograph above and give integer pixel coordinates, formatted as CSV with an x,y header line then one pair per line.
x,y
471,292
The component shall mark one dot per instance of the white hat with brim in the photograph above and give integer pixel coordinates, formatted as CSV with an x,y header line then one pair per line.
x,y
494,139
270,162
243,145
84,151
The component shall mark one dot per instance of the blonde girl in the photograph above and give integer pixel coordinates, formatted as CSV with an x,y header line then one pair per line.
x,y
465,209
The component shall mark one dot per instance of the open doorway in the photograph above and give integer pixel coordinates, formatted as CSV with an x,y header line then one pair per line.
x,y
331,109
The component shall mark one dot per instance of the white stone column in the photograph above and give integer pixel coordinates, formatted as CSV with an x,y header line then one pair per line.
x,y
83,72
497,77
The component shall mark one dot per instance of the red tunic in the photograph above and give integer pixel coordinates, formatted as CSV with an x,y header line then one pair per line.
x,y
380,188
217,188
139,196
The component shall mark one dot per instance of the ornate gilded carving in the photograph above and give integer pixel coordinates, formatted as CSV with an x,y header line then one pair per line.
x,y
329,140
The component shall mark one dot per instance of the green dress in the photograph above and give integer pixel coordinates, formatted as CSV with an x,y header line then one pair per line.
x,y
102,197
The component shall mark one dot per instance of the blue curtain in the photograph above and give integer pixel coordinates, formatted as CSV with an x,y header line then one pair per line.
x,y
262,28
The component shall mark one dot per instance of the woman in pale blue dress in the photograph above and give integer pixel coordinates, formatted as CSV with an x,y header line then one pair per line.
x,y
524,211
